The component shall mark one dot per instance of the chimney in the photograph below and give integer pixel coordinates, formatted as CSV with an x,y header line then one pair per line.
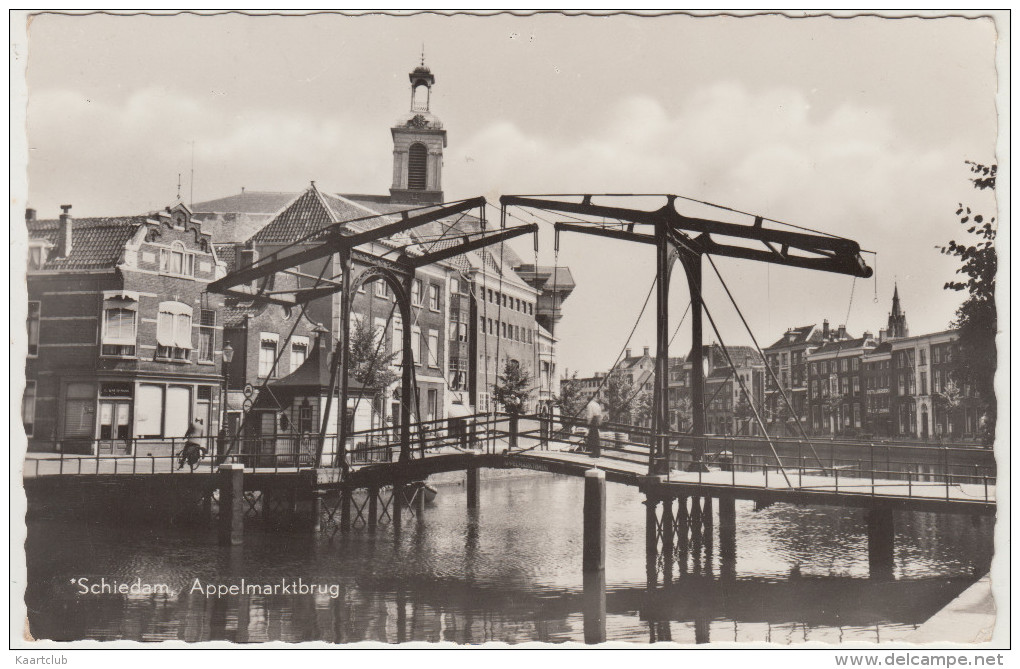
x,y
646,351
842,332
64,232
30,214
825,330
867,335
628,353
881,336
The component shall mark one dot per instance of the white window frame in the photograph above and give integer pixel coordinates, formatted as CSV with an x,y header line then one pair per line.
x,y
433,348
28,407
38,324
435,304
166,260
119,301
296,341
177,342
417,292
416,343
204,330
265,338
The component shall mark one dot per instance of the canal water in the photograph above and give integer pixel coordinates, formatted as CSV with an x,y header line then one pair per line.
x,y
510,572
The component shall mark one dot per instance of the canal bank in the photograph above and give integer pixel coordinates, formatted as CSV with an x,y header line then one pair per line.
x,y
969,618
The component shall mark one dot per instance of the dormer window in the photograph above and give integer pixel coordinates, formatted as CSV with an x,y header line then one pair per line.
x,y
37,253
176,260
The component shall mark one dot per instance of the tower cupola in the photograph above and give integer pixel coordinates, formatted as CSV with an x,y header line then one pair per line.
x,y
418,143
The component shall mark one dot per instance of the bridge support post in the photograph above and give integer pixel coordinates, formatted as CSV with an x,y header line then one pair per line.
x,y
594,550
728,537
308,503
397,505
419,504
595,607
345,509
881,541
231,521
373,508
668,540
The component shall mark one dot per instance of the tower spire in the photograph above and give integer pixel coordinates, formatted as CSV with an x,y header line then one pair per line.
x,y
897,318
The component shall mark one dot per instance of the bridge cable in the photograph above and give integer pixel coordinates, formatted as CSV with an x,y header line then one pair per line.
x,y
612,369
269,375
678,240
772,372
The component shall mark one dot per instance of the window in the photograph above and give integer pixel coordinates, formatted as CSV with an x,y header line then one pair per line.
x,y
503,328
37,254
417,166
924,383
298,352
454,286
857,384
176,260
28,408
433,297
120,317
416,344
398,341
855,364
381,289
857,415
433,348
173,331
33,328
268,342
462,332
492,327
416,292
79,411
433,404
490,295
206,335
923,357
305,424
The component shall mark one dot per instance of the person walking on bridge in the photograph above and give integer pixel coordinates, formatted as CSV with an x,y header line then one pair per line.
x,y
194,449
593,440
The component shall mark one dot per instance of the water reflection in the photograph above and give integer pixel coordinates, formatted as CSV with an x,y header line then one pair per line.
x,y
510,571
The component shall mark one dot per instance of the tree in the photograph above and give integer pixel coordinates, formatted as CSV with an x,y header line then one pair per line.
x,y
976,319
644,407
570,400
684,408
618,396
371,364
513,388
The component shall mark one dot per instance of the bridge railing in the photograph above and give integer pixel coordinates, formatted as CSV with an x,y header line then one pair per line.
x,y
163,455
872,468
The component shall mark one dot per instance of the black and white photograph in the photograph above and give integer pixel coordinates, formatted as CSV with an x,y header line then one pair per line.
x,y
511,330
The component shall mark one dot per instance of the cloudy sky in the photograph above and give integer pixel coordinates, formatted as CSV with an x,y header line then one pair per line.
x,y
859,127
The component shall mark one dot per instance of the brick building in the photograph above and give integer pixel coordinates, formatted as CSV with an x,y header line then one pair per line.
x,y
124,343
787,358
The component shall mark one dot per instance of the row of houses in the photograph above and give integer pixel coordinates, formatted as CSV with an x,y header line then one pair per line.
x,y
126,343
834,384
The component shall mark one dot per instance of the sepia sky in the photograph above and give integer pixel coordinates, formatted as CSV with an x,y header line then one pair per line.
x,y
859,127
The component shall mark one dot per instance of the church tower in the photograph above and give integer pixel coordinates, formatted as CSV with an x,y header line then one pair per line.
x,y
418,143
897,318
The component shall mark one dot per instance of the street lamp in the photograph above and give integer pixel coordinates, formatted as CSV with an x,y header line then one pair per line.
x,y
228,356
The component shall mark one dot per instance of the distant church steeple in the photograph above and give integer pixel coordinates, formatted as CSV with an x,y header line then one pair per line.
x,y
897,318
418,143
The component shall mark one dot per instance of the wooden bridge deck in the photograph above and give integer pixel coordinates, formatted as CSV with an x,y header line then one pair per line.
x,y
626,464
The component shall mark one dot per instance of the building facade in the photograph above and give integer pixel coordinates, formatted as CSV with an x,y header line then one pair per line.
x,y
124,342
